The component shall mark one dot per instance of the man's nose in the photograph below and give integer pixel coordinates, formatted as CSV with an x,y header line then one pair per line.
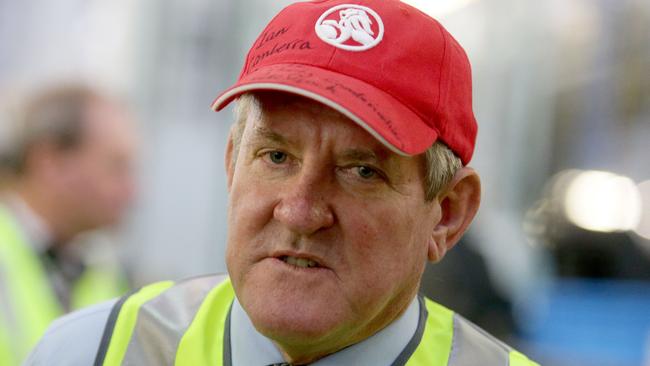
x,y
304,206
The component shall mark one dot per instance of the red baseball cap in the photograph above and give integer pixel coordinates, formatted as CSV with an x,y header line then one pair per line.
x,y
387,66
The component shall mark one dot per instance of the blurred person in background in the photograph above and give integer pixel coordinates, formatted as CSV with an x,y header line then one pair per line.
x,y
347,171
66,170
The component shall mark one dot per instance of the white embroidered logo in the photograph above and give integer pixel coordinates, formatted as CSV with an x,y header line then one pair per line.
x,y
354,29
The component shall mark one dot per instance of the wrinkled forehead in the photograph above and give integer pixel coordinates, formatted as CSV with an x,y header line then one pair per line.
x,y
271,108
352,140
271,101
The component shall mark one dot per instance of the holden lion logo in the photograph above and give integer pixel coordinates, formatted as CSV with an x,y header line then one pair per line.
x,y
358,28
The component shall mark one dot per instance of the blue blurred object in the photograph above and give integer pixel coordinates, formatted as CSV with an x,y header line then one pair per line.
x,y
589,322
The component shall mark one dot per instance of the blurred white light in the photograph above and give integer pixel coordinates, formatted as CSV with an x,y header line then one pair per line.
x,y
643,228
438,8
602,201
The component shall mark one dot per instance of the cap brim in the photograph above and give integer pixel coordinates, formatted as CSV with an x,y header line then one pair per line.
x,y
382,115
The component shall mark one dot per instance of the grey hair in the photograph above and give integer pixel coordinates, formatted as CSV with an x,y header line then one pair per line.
x,y
441,164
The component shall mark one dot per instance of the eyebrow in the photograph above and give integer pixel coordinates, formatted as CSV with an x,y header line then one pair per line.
x,y
265,133
361,155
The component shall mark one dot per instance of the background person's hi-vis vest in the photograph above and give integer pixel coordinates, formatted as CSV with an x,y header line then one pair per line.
x,y
188,324
27,301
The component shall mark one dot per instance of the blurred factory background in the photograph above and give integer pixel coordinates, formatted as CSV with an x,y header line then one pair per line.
x,y
558,261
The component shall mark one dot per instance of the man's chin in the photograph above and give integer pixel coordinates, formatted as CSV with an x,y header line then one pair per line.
x,y
298,334
293,318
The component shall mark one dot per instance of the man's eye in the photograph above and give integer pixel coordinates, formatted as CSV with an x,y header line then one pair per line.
x,y
277,157
366,172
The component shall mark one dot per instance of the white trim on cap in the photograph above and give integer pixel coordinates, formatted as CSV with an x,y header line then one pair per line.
x,y
311,95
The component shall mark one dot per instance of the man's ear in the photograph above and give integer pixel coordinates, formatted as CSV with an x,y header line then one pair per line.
x,y
459,202
230,169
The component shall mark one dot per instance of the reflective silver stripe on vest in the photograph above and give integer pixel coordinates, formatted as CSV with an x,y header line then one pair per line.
x,y
163,321
471,346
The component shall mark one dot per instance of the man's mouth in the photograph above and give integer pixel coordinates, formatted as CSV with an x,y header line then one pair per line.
x,y
299,262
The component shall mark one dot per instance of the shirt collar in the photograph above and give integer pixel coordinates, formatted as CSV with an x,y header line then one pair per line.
x,y
249,347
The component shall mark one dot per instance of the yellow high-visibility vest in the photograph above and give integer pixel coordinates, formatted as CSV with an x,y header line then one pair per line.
x,y
27,300
187,324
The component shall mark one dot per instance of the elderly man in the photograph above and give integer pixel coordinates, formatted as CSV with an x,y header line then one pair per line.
x,y
68,170
346,173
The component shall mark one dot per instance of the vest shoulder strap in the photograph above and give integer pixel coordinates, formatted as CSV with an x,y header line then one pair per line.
x,y
451,340
474,346
147,327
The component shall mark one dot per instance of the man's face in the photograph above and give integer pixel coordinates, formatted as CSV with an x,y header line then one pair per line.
x,y
328,229
98,175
